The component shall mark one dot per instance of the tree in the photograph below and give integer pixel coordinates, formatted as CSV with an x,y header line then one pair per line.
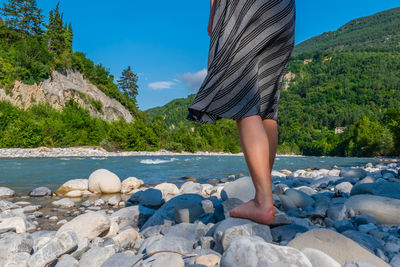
x,y
56,33
23,16
128,84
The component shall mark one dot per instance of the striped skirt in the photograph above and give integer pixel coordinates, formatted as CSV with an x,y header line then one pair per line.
x,y
250,48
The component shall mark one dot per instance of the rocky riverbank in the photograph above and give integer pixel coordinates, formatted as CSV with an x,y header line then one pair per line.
x,y
90,151
325,217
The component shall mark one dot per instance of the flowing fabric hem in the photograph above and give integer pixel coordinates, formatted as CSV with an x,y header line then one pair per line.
x,y
204,117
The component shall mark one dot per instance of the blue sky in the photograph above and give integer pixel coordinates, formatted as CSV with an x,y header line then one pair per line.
x,y
166,42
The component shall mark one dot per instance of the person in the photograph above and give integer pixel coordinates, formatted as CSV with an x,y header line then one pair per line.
x,y
250,48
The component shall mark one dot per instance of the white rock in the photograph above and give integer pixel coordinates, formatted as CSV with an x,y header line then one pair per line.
x,y
17,222
252,251
104,181
130,184
6,192
385,210
319,258
64,203
344,187
167,189
88,225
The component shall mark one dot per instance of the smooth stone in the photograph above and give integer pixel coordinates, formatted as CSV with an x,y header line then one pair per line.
x,y
62,243
96,256
248,229
167,210
40,192
385,210
113,201
17,222
299,198
344,187
385,189
307,190
8,205
6,192
188,213
130,234
365,219
325,181
253,251
287,232
281,218
168,189
364,240
134,216
287,203
392,248
229,205
64,203
319,258
359,264
242,188
342,226
67,260
74,193
366,228
130,183
337,212
170,242
17,259
72,185
150,198
339,247
15,243
88,225
190,188
123,259
395,261
165,260
104,181
353,172
367,180
208,260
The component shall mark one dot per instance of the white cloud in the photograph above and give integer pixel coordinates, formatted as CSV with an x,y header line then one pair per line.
x,y
161,85
193,81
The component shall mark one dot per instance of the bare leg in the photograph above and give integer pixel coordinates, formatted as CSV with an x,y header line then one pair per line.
x,y
257,150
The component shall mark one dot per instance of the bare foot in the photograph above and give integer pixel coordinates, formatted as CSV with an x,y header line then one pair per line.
x,y
263,213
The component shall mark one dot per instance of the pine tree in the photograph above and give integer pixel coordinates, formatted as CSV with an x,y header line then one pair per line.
x,y
68,37
55,35
23,16
128,84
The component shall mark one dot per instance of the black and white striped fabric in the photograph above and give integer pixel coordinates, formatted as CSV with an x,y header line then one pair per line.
x,y
251,44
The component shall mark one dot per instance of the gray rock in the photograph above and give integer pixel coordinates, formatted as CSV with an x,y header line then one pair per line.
x,y
337,212
62,243
64,203
344,187
189,231
337,246
40,192
7,205
395,261
15,243
359,264
167,211
353,173
342,226
6,192
385,210
67,261
319,258
391,247
88,225
17,259
241,188
150,197
319,210
134,216
366,228
385,189
124,259
190,188
151,230
287,203
230,204
364,219
40,238
249,229
365,240
287,232
299,198
96,256
253,251
175,243
367,180
164,260
325,181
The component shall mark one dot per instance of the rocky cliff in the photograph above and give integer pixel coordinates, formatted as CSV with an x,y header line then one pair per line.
x,y
61,87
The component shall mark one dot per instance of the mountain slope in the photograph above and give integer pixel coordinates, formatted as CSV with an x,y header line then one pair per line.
x,y
378,32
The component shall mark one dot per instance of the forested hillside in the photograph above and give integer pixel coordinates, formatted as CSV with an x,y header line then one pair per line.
x,y
348,78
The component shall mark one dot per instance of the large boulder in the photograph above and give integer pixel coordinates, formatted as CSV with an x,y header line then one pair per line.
x,y
337,246
88,225
6,192
104,181
242,188
72,185
385,189
384,209
253,251
353,172
134,216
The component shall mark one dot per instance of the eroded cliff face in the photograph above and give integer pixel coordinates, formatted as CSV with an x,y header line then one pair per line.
x,y
61,87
